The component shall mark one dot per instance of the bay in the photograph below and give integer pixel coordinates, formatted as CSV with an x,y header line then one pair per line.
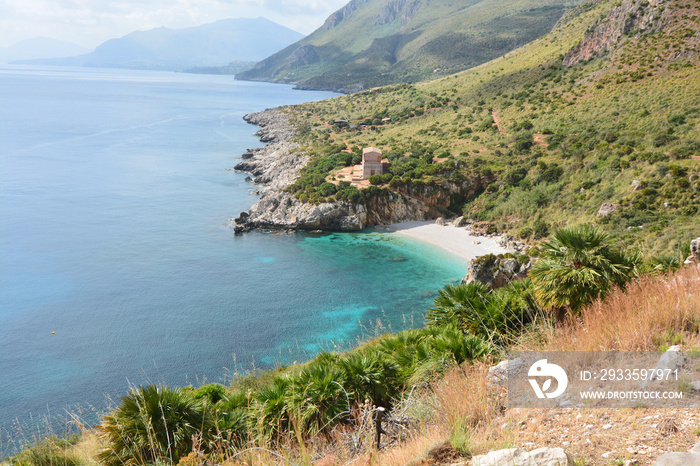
x,y
118,266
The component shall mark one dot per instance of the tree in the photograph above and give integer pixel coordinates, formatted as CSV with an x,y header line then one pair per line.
x,y
579,265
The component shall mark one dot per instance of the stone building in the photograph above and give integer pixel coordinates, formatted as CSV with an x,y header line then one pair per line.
x,y
371,162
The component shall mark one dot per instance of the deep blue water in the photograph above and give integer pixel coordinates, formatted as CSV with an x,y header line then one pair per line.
x,y
114,208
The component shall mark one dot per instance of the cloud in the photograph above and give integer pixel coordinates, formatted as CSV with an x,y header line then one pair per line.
x,y
90,22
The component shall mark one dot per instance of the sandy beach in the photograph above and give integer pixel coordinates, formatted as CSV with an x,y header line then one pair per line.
x,y
456,240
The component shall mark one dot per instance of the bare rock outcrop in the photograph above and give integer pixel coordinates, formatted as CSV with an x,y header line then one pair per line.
x,y
405,10
626,18
694,258
691,458
495,271
275,167
606,208
516,457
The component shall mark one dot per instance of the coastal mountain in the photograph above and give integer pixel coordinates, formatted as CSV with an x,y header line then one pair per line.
x,y
371,43
40,47
210,45
597,121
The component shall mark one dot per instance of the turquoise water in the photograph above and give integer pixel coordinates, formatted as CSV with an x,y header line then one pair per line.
x,y
114,208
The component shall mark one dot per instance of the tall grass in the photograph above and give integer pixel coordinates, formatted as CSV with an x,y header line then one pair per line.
x,y
652,313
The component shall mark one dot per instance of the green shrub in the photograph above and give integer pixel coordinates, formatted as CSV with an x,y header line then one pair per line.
x,y
375,179
153,423
579,265
212,392
497,316
50,451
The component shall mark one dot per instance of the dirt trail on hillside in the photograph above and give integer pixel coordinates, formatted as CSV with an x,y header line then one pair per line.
x,y
497,121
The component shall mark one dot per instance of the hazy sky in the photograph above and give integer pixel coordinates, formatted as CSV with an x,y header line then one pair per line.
x,y
91,22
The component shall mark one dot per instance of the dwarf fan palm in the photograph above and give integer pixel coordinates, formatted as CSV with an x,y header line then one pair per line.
x,y
153,423
578,266
368,375
317,398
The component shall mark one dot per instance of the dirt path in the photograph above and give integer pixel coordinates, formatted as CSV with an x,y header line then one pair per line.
x,y
540,140
497,121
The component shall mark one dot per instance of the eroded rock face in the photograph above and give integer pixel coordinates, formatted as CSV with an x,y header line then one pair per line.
x,y
495,271
395,9
277,165
607,32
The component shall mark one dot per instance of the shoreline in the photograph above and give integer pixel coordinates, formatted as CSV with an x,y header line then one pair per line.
x,y
277,164
460,242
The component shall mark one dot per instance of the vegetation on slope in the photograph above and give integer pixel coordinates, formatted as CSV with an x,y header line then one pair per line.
x,y
367,44
548,143
298,413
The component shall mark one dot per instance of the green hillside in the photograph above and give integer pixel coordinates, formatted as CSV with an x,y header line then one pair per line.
x,y
547,143
368,44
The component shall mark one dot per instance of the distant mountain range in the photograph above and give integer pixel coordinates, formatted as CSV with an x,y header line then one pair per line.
x,y
210,45
371,43
40,47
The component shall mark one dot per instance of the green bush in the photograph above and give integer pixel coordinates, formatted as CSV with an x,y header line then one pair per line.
x,y
212,392
50,451
375,179
495,315
153,423
579,265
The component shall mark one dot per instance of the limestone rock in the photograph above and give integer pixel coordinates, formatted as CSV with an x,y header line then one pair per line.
x,y
678,459
495,271
694,257
460,222
440,221
606,208
672,359
499,373
607,33
637,185
516,457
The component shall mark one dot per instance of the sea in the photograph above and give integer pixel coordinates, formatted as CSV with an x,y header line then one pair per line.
x,y
118,263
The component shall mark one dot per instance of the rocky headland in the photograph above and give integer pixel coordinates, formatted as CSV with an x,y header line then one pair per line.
x,y
276,166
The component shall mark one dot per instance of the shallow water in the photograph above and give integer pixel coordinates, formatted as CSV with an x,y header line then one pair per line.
x,y
114,208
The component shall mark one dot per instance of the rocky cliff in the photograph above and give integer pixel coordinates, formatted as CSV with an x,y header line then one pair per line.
x,y
276,166
629,17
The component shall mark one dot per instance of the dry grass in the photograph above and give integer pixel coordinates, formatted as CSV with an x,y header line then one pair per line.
x,y
653,313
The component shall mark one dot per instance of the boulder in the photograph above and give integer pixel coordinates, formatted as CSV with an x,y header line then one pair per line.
x,y
678,459
499,373
516,457
672,359
460,222
694,257
495,271
440,221
606,208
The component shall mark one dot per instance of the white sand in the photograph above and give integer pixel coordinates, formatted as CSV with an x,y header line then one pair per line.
x,y
456,240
